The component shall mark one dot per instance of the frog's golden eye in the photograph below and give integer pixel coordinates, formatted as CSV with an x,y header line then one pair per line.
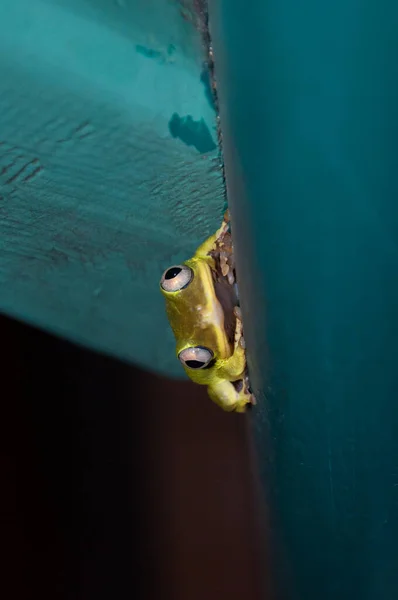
x,y
176,278
196,357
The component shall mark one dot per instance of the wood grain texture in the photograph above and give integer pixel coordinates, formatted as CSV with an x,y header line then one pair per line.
x,y
98,193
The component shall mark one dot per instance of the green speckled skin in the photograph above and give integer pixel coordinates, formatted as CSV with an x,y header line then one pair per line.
x,y
99,190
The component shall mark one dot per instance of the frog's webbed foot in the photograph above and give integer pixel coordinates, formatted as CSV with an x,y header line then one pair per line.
x,y
210,245
247,387
240,343
231,397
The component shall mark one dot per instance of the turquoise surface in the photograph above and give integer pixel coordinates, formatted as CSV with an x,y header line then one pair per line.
x,y
309,110
109,169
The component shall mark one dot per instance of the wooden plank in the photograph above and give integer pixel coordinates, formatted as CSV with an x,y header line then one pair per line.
x,y
109,169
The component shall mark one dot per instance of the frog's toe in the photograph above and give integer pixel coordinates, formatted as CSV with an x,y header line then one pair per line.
x,y
238,312
242,408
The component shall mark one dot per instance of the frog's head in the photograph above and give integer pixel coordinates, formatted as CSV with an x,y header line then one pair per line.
x,y
195,314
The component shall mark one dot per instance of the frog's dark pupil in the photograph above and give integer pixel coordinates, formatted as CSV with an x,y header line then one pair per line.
x,y
173,272
194,364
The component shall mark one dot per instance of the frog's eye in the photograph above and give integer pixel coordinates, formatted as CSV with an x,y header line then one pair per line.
x,y
176,278
196,357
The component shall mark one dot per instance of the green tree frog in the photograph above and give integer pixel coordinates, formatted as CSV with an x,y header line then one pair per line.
x,y
201,305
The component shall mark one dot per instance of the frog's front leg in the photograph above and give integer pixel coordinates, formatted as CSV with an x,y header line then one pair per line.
x,y
233,367
210,243
226,396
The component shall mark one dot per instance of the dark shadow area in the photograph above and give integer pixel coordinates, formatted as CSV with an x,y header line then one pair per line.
x,y
161,57
117,483
192,133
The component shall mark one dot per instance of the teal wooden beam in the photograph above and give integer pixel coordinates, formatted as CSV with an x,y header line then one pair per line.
x,y
308,97
109,169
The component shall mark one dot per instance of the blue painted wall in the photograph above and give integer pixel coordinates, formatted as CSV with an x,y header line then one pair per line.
x,y
109,169
309,110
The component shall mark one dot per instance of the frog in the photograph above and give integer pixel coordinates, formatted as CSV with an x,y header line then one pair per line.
x,y
204,313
